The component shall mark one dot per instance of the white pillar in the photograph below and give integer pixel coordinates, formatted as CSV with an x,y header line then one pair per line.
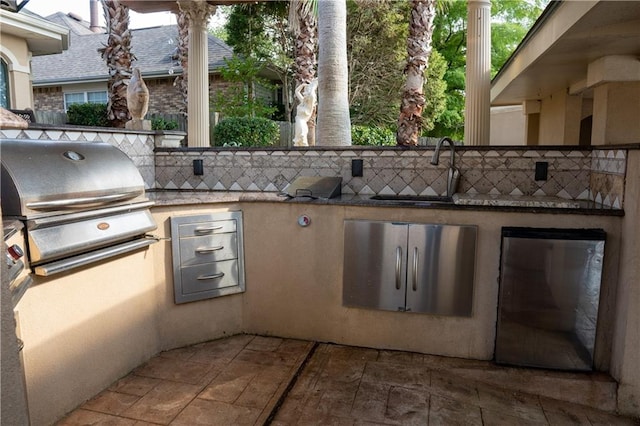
x,y
198,12
477,114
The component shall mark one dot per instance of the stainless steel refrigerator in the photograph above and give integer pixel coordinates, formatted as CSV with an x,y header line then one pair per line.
x,y
548,298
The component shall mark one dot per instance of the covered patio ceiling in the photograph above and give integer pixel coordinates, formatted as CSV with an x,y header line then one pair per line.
x,y
150,6
557,51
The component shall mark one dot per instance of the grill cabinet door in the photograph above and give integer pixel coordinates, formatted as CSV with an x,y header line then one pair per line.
x,y
375,263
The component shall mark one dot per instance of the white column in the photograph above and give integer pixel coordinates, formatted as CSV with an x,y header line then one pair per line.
x,y
198,12
477,113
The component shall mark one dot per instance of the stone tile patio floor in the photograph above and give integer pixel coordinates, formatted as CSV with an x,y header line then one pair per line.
x,y
255,380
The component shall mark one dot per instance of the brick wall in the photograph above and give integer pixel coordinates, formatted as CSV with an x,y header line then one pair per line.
x,y
164,97
48,99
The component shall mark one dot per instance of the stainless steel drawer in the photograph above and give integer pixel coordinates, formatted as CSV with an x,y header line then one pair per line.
x,y
211,276
208,255
209,227
199,250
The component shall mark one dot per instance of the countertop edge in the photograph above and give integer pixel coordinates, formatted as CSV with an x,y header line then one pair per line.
x,y
180,198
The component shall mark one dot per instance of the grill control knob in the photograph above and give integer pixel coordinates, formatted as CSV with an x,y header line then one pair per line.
x,y
15,252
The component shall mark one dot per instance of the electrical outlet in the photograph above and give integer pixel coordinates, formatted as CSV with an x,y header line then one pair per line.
x,y
357,168
542,169
198,167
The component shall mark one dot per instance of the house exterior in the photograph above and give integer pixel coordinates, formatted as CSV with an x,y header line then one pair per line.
x,y
24,36
79,75
576,76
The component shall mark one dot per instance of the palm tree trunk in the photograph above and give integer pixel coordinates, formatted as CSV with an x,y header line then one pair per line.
x,y
418,49
117,54
334,123
182,81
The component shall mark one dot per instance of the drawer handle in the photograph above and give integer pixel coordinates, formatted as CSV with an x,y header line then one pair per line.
x,y
207,230
205,250
211,277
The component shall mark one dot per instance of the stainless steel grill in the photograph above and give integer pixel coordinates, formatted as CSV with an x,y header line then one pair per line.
x,y
81,202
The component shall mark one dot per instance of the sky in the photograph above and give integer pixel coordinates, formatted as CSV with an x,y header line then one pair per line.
x,y
81,7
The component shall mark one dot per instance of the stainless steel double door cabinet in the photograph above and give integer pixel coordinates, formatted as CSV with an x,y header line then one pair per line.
x,y
426,268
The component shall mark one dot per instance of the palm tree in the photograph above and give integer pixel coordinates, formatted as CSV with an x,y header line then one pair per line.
x,y
418,49
181,81
334,124
117,54
304,25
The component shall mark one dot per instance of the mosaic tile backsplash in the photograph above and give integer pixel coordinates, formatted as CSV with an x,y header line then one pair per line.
x,y
574,174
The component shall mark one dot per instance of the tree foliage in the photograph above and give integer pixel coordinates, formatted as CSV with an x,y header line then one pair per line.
x,y
376,42
259,31
435,92
376,46
511,19
238,98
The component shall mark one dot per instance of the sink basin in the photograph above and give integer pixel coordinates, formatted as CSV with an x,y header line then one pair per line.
x,y
415,199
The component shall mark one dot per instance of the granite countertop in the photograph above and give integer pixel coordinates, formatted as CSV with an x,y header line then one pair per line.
x,y
480,202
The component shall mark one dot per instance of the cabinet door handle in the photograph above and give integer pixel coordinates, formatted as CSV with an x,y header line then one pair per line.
x,y
414,272
205,250
207,230
210,277
398,266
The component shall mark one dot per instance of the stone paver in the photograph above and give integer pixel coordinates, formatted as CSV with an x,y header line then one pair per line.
x,y
256,380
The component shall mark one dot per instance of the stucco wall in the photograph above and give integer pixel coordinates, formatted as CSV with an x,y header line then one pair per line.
x,y
507,126
84,330
189,323
294,280
626,350
15,53
560,116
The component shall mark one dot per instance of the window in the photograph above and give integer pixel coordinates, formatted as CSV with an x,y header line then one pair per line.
x,y
5,99
99,97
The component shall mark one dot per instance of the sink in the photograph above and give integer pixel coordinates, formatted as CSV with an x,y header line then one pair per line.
x,y
415,199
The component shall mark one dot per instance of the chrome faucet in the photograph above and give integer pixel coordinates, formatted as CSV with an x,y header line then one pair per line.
x,y
453,175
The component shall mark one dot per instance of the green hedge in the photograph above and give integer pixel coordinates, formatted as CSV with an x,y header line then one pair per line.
x,y
246,131
376,136
88,115
159,123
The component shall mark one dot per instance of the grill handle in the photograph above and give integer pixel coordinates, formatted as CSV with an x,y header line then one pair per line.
x,y
81,202
94,256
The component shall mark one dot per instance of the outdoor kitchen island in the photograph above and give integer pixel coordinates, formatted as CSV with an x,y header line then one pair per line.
x,y
84,330
293,290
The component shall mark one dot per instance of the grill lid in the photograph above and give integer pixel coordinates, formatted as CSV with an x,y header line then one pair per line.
x,y
42,177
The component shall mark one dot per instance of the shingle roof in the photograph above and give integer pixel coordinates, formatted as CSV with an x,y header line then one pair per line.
x,y
152,47
71,21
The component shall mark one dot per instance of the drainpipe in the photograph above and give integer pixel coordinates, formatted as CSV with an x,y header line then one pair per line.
x,y
477,111
94,25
